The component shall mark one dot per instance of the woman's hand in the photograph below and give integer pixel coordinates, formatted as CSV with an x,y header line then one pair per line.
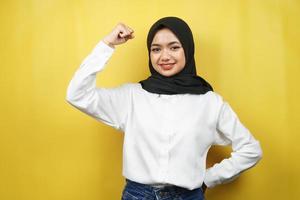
x,y
203,187
119,35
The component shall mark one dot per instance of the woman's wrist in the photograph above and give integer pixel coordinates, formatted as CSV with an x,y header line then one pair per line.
x,y
108,43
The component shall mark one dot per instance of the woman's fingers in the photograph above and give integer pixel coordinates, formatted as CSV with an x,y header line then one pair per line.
x,y
126,35
120,34
125,31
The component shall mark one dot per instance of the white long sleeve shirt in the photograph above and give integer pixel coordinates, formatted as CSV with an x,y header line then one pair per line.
x,y
166,137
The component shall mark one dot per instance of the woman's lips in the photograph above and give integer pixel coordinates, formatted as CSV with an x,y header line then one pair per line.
x,y
167,66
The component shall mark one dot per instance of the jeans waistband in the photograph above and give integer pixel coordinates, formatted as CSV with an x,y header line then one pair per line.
x,y
156,186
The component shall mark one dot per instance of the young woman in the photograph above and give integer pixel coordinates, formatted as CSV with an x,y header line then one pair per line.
x,y
170,120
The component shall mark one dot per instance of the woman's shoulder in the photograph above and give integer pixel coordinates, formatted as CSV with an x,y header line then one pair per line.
x,y
215,97
127,87
130,86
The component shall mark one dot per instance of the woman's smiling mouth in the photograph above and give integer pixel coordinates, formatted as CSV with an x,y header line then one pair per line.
x,y
166,66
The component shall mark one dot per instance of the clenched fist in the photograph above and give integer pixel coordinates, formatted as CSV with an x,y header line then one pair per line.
x,y
119,35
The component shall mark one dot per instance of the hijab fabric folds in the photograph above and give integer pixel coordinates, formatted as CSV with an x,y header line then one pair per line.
x,y
187,80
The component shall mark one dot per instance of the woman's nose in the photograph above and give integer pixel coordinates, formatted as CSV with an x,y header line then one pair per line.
x,y
165,55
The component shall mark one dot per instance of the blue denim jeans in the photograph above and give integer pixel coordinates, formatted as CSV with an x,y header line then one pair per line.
x,y
139,191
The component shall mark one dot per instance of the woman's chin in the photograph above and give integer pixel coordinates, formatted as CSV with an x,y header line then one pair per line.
x,y
167,73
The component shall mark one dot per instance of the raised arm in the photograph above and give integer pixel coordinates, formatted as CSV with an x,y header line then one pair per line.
x,y
106,105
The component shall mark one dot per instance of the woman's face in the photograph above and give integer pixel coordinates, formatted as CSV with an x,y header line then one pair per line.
x,y
166,53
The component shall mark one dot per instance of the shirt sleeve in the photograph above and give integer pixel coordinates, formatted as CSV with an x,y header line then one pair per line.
x,y
108,105
246,150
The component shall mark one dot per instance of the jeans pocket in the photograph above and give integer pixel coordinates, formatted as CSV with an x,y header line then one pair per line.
x,y
128,196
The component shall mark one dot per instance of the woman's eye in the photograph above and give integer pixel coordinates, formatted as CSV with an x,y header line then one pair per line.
x,y
175,47
155,49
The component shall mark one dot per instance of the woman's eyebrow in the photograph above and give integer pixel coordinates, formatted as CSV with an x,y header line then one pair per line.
x,y
171,43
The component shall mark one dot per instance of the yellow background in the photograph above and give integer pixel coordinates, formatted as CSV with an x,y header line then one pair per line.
x,y
247,49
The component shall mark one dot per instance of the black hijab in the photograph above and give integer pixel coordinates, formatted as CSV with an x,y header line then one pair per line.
x,y
186,81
